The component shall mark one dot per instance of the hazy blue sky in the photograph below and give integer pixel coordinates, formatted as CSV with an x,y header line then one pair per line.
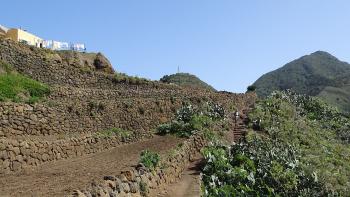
x,y
227,43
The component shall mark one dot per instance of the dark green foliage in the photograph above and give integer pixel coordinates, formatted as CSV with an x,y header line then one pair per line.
x,y
186,79
251,88
190,119
319,74
259,167
149,159
18,88
319,132
302,150
133,80
143,188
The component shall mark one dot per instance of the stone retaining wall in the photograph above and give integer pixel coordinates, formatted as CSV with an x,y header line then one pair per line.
x,y
138,181
16,155
141,115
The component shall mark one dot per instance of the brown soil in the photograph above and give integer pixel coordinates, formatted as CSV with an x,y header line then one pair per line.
x,y
62,177
187,186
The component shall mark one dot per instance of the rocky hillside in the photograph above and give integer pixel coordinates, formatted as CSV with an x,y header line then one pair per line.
x,y
318,74
186,80
60,95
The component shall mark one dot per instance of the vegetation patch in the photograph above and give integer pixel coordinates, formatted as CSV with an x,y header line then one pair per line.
x,y
300,148
124,134
18,88
133,80
150,159
190,120
187,80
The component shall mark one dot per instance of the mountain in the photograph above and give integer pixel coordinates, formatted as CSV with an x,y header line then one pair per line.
x,y
186,79
318,74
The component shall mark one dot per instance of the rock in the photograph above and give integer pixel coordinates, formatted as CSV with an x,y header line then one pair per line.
x,y
16,150
19,109
102,63
33,117
78,193
111,184
130,176
123,178
45,157
16,166
125,187
134,187
112,178
19,158
5,164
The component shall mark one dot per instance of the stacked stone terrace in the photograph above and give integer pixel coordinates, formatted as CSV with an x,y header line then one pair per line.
x,y
83,101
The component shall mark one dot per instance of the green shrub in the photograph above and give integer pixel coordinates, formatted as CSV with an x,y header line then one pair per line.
x,y
319,132
143,188
133,80
149,159
190,119
260,167
251,88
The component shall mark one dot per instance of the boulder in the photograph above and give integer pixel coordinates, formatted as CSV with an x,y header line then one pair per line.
x,y
102,63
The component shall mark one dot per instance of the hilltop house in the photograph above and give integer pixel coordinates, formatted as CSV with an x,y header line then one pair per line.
x,y
23,36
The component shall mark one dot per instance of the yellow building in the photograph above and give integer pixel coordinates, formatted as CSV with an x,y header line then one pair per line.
x,y
20,35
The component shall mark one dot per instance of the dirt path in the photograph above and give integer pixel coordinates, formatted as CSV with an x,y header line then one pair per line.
x,y
187,186
62,177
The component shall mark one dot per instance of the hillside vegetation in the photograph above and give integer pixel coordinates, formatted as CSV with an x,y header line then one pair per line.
x,y
318,74
300,148
18,88
186,79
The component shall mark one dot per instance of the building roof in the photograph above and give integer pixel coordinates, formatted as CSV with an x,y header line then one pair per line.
x,y
3,29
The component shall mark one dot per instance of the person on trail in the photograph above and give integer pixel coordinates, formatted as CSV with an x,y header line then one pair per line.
x,y
236,116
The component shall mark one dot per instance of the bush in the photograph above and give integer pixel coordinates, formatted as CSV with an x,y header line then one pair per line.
x,y
134,80
149,159
190,120
215,111
251,88
319,132
185,113
260,167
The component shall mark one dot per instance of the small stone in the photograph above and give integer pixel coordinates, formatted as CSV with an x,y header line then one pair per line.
x,y
123,178
33,117
125,187
134,187
16,166
78,193
112,178
16,150
111,184
130,176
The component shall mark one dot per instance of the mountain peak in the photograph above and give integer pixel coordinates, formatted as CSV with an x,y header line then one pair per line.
x,y
310,74
322,54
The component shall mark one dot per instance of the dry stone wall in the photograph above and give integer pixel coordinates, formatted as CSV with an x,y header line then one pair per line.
x,y
16,155
84,102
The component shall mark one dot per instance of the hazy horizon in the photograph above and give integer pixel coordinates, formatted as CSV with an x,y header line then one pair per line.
x,y
228,44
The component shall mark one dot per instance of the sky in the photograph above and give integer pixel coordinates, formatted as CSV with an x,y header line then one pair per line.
x,y
227,43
